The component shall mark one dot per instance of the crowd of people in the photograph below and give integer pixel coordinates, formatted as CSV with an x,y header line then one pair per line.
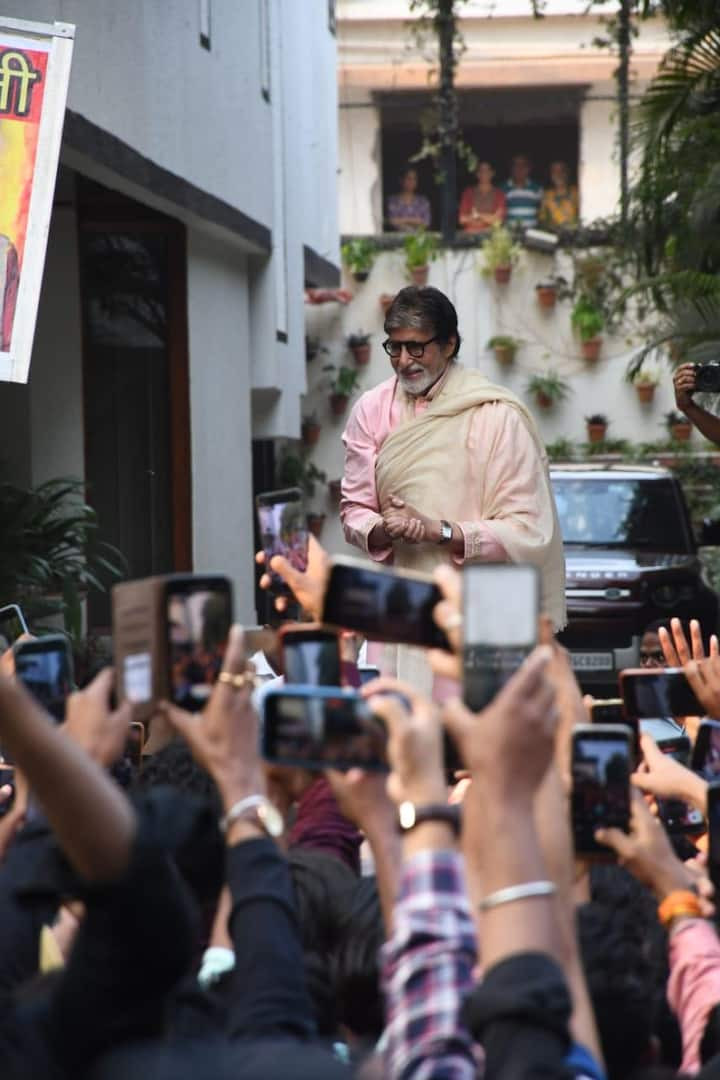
x,y
520,201
172,929
212,912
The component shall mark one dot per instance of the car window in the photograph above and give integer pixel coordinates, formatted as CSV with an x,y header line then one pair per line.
x,y
620,513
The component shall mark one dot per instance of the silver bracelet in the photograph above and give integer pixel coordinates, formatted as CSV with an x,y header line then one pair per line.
x,y
518,892
251,802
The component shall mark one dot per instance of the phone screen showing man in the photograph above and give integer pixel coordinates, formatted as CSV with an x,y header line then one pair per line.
x,y
600,785
283,530
199,617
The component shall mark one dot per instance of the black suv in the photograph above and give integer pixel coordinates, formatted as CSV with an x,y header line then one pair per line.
x,y
631,558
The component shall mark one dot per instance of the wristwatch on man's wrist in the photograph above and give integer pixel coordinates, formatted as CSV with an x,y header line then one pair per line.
x,y
410,815
446,532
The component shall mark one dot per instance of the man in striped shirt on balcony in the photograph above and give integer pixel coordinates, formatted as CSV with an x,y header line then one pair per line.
x,y
523,195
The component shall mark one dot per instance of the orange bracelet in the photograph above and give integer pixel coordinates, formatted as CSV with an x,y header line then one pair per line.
x,y
677,904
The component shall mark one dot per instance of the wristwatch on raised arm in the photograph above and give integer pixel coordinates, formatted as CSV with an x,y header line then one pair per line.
x,y
410,815
446,532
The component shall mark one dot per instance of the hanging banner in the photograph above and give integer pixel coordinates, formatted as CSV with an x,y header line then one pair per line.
x,y
34,74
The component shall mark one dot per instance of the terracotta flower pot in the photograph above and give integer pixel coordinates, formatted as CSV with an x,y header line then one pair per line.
x,y
645,392
335,490
419,274
504,354
386,300
544,401
681,432
503,274
546,295
596,432
338,404
310,434
360,276
591,349
315,524
361,354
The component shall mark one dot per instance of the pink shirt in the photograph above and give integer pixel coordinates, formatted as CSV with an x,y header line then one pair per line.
x,y
372,419
694,985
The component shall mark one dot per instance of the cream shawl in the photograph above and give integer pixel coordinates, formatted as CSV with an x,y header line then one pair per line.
x,y
433,462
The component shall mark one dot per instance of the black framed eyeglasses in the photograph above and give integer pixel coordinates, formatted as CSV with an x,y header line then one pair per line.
x,y
416,349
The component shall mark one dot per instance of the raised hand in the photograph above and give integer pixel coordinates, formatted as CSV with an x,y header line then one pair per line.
x,y
684,379
224,737
93,724
448,616
660,775
308,586
676,649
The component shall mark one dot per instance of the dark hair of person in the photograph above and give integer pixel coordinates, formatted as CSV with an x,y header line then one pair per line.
x,y
323,887
624,955
424,308
357,970
174,766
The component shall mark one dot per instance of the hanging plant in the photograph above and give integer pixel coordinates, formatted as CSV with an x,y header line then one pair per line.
x,y
548,388
645,383
505,348
342,387
499,254
546,293
310,430
588,322
597,426
679,426
359,345
421,248
358,255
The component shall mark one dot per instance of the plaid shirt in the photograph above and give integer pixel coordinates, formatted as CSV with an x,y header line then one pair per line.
x,y
427,971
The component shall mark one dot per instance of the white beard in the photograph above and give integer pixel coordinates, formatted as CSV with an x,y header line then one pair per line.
x,y
417,387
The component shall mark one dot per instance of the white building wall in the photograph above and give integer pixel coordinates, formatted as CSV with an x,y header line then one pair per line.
x,y
218,329
485,310
140,73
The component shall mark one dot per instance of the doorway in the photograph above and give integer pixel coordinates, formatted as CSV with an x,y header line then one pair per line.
x,y
135,383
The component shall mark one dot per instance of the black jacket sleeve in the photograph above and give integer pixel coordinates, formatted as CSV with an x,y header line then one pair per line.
x,y
520,1015
269,995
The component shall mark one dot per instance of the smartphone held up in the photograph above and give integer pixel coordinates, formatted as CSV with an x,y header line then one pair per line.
x,y
601,768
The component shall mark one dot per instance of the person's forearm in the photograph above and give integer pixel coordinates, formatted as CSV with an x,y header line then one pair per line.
x,y
528,925
707,424
386,846
91,818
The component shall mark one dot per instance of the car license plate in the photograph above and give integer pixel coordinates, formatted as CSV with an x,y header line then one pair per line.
x,y
592,661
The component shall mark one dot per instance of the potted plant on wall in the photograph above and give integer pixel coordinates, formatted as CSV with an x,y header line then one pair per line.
x,y
313,348
588,322
645,383
294,470
504,347
499,254
597,426
335,490
548,388
310,430
358,255
359,345
546,293
420,250
343,385
679,426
